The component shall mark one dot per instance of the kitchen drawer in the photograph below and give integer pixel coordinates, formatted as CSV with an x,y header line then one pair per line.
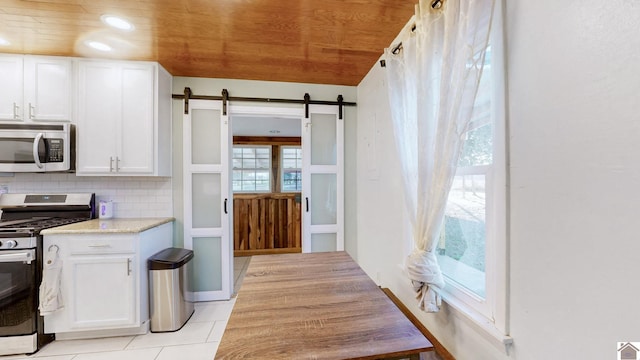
x,y
99,245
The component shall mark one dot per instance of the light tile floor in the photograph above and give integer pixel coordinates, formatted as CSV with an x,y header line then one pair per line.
x,y
198,339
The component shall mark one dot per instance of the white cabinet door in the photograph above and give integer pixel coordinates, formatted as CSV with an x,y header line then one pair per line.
x,y
135,142
48,88
119,125
11,90
36,88
99,113
102,291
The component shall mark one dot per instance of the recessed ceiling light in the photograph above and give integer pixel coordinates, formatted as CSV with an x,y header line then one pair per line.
x,y
99,46
4,42
117,22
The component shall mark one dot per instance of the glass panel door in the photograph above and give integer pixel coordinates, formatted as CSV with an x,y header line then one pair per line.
x,y
323,180
207,200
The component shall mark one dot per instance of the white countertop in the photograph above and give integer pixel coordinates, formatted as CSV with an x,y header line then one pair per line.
x,y
96,226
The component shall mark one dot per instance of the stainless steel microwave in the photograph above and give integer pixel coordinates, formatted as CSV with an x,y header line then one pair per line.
x,y
37,147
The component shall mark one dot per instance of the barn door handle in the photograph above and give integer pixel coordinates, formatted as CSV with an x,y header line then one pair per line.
x,y
306,200
225,206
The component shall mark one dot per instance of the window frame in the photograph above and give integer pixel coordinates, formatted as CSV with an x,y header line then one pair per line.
x,y
282,168
255,169
490,315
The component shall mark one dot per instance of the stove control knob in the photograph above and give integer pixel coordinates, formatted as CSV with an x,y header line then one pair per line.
x,y
11,244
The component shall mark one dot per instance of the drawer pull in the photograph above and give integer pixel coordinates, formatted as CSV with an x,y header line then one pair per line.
x,y
16,111
101,246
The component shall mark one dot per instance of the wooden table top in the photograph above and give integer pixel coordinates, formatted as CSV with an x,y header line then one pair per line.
x,y
315,306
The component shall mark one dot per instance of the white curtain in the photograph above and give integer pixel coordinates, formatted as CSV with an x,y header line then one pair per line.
x,y
432,81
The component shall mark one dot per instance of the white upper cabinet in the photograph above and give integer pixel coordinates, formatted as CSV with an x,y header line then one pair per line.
x,y
36,88
124,119
11,91
48,88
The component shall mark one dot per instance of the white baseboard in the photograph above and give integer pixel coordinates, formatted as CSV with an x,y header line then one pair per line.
x,y
92,334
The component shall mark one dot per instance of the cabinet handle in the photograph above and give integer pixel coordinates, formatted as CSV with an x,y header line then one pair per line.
x,y
117,164
32,111
110,164
100,246
128,266
225,206
306,200
16,111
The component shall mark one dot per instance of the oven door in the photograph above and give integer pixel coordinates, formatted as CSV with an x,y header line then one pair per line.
x,y
18,292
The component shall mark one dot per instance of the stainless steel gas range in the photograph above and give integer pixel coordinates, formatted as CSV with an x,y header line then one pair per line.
x,y
21,253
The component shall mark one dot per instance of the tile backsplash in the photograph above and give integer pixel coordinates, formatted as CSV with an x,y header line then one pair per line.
x,y
132,196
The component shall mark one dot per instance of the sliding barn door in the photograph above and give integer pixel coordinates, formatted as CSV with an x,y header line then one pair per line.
x,y
323,180
207,201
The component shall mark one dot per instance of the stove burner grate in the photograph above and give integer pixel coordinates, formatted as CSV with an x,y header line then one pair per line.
x,y
26,225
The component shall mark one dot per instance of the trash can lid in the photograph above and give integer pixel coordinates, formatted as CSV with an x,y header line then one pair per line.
x,y
170,258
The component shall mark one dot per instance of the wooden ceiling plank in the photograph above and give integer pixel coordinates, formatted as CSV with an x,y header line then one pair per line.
x,y
329,41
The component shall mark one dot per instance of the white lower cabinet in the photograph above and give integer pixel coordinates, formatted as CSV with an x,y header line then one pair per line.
x,y
102,290
104,284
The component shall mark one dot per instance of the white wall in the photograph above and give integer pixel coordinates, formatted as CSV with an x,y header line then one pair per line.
x,y
380,202
574,100
574,93
132,196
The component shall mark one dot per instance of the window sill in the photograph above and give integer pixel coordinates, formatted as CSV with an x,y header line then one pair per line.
x,y
476,321
468,277
483,326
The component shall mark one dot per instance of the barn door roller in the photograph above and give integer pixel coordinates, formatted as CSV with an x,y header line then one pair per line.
x,y
187,95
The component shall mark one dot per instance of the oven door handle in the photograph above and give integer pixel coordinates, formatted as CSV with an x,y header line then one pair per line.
x,y
36,145
17,256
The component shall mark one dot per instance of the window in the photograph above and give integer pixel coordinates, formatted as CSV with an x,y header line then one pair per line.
x,y
462,245
291,168
251,168
472,246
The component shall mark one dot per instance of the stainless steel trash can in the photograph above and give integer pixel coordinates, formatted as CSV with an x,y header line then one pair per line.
x,y
169,305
